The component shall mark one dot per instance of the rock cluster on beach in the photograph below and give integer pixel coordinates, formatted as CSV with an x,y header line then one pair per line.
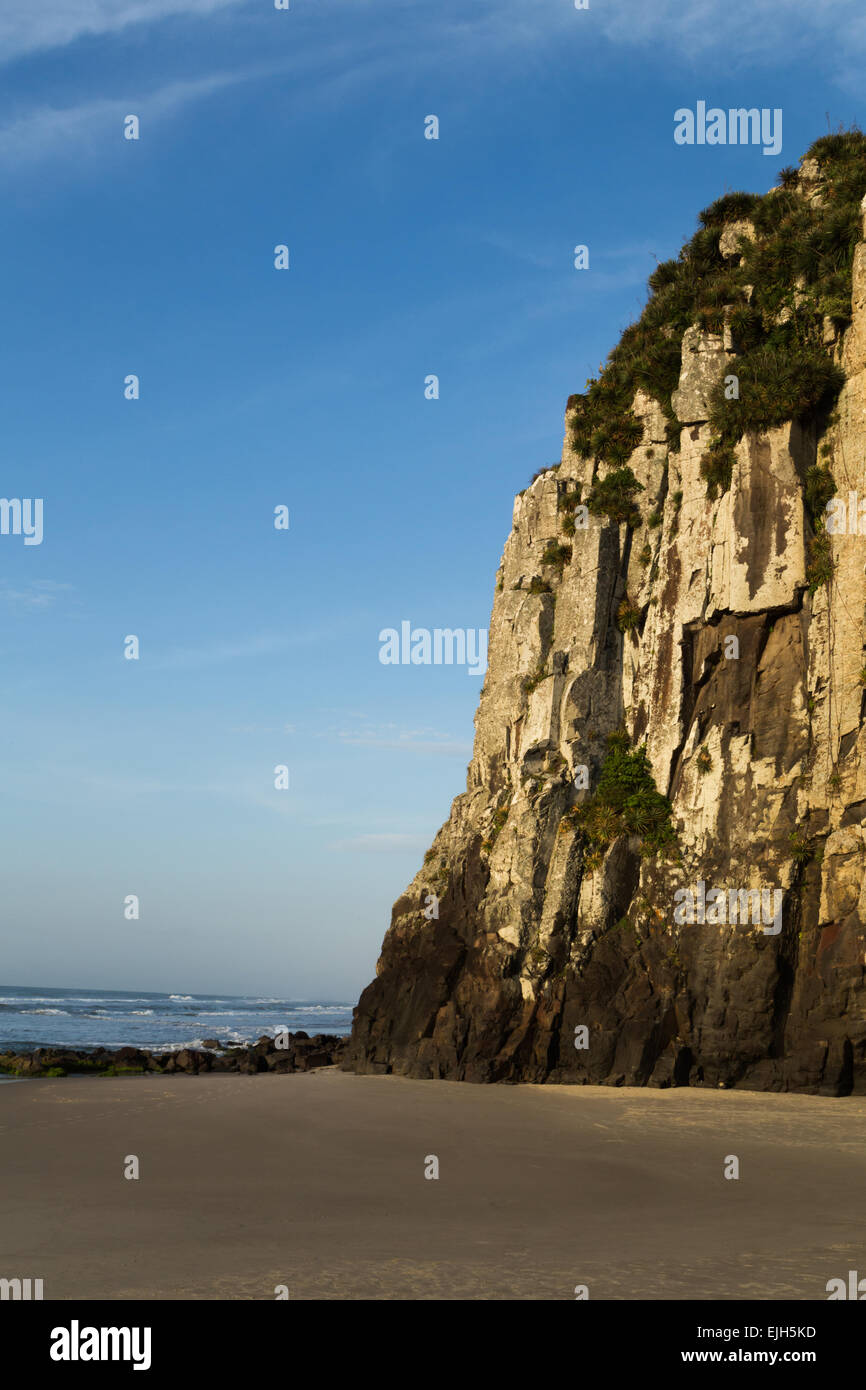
x,y
300,1053
553,953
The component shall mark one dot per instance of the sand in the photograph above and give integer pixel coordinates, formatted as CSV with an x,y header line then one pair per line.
x,y
317,1182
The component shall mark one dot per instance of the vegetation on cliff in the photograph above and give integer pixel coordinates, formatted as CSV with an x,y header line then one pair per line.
x,y
792,275
625,802
613,497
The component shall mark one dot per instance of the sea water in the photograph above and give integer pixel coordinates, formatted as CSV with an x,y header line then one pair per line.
x,y
39,1016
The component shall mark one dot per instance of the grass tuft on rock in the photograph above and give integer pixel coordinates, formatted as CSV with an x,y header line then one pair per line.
x,y
556,555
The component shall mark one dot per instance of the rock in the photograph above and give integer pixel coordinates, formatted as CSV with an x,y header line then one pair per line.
x,y
735,236
747,691
315,1057
225,1063
249,1063
302,1054
704,361
128,1057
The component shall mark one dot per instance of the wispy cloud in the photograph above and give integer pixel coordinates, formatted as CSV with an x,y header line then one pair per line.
x,y
770,30
215,653
366,47
248,647
40,593
33,26
773,31
48,131
405,740
747,28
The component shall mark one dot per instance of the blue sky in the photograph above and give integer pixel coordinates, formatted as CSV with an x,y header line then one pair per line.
x,y
306,388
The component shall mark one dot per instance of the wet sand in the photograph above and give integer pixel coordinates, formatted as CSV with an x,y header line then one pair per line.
x,y
316,1181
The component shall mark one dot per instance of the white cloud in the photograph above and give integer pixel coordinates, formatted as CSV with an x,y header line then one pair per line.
x,y
770,30
46,131
368,48
405,740
746,28
32,26
41,593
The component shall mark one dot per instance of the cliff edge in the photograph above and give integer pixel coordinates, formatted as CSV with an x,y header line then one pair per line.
x,y
656,872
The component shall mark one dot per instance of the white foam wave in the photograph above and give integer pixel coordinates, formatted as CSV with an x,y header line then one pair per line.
x,y
31,999
69,999
196,1044
322,1009
101,999
219,1013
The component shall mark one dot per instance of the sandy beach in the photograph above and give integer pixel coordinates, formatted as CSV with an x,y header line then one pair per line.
x,y
317,1182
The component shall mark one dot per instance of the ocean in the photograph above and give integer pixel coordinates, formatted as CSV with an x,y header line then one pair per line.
x,y
40,1016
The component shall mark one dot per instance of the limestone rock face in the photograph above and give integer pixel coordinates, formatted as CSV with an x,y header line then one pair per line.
x,y
704,357
747,691
733,236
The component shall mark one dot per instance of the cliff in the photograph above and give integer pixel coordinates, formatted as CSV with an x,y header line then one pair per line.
x,y
673,711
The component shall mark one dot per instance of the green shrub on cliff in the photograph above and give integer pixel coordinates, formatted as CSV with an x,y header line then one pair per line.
x,y
834,292
820,487
626,802
717,466
704,761
568,500
733,207
819,570
539,473
567,503
627,614
556,555
787,377
533,681
746,327
613,497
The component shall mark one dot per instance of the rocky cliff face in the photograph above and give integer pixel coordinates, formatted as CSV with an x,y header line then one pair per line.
x,y
564,948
